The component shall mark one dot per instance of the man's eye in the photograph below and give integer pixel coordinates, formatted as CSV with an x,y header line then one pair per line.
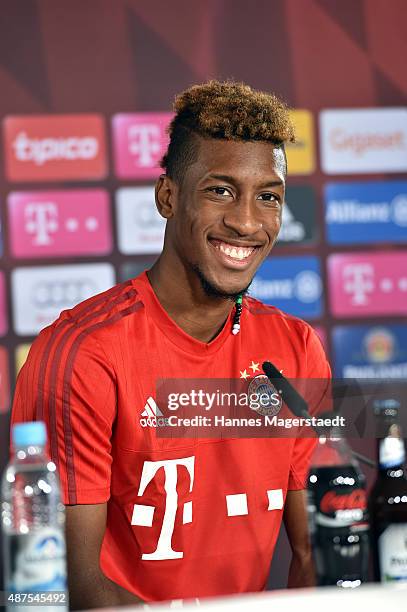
x,y
221,191
269,197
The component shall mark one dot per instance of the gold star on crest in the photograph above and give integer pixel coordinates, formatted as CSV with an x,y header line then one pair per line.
x,y
255,367
244,374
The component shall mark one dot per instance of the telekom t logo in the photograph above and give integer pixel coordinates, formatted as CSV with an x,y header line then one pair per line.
x,y
41,219
143,515
359,281
144,142
139,141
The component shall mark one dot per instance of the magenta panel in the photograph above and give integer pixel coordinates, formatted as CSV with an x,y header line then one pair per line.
x,y
54,223
139,140
363,284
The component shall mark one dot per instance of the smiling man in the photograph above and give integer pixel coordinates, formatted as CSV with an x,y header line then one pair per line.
x,y
152,518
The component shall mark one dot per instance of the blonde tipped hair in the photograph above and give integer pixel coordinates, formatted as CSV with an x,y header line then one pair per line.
x,y
225,110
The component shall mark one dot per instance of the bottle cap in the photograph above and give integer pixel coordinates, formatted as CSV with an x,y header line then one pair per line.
x,y
29,434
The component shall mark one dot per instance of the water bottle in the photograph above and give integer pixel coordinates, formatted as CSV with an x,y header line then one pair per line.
x,y
33,523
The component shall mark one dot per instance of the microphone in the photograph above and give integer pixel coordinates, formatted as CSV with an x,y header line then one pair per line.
x,y
295,402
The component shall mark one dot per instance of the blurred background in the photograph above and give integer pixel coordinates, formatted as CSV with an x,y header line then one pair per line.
x,y
86,93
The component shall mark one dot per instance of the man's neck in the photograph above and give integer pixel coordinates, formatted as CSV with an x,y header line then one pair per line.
x,y
197,314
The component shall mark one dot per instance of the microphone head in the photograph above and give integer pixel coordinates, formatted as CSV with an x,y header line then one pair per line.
x,y
271,371
294,401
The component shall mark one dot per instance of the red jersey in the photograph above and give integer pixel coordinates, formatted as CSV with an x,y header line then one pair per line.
x,y
186,517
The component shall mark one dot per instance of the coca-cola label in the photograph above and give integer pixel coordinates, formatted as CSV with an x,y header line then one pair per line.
x,y
338,498
332,501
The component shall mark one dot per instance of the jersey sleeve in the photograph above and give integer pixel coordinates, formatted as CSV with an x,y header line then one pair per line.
x,y
317,396
67,382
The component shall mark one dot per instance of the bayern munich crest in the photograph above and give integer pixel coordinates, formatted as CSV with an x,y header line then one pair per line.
x,y
263,396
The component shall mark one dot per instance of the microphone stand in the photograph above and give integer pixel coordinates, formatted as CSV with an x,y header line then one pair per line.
x,y
297,404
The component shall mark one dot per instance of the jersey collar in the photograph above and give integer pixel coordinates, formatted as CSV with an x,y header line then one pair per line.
x,y
177,335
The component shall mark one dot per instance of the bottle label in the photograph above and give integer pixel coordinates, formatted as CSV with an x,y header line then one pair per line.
x,y
337,497
37,561
342,509
392,546
391,452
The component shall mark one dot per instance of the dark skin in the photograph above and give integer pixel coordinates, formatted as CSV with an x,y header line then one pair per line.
x,y
234,192
230,198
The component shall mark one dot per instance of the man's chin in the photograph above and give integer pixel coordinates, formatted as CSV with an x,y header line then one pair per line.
x,y
213,288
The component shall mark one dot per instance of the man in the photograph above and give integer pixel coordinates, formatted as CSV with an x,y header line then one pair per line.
x,y
156,518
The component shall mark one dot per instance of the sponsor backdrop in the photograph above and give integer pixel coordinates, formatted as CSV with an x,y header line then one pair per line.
x,y
86,98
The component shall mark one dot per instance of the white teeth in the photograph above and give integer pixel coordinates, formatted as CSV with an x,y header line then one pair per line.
x,y
236,253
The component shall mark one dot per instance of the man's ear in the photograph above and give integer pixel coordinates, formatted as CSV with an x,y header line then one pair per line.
x,y
166,195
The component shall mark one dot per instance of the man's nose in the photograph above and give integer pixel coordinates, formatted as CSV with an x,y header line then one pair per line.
x,y
243,217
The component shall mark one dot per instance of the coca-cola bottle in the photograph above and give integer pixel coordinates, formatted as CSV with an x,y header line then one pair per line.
x,y
337,511
388,498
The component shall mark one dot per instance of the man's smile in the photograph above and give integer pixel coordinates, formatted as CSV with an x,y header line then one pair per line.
x,y
234,254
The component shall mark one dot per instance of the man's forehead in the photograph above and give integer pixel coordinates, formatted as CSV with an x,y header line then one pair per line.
x,y
228,156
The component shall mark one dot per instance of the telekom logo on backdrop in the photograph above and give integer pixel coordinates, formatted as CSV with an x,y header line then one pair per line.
x,y
50,223
140,140
368,283
53,147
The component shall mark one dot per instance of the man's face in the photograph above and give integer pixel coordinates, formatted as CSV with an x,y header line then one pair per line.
x,y
227,212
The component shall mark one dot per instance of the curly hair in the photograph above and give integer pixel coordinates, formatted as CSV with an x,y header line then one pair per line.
x,y
225,110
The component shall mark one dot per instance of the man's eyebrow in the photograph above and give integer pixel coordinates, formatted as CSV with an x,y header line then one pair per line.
x,y
231,179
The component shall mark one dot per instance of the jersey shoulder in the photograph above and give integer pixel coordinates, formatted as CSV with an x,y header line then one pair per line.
x,y
103,309
298,337
264,314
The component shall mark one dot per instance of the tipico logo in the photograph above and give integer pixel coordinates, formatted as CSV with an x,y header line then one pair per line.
x,y
52,147
43,150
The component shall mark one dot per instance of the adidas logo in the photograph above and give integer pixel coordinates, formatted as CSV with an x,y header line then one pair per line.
x,y
151,409
152,415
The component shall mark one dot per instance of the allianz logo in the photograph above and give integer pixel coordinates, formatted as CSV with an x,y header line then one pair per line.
x,y
42,150
305,287
152,415
353,211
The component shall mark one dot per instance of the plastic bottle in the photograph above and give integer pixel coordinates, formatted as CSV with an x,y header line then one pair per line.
x,y
388,498
337,511
33,522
